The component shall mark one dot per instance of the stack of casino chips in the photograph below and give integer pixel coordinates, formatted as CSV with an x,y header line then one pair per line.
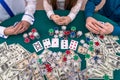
x,y
91,48
64,33
56,32
35,33
31,35
51,32
26,39
74,34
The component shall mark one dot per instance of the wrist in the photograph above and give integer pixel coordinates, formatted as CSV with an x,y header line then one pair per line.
x,y
51,17
5,32
2,32
69,18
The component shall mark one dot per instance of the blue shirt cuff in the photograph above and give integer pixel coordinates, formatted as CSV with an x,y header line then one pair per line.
x,y
116,31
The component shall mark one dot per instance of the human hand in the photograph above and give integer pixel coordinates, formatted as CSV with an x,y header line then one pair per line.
x,y
92,25
56,18
10,31
22,26
105,28
66,20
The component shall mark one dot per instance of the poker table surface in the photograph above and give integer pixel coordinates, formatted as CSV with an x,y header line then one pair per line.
x,y
43,24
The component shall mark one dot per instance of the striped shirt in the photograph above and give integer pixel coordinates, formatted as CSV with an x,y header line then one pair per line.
x,y
17,7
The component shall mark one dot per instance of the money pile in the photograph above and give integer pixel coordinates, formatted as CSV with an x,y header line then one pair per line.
x,y
16,63
60,66
101,57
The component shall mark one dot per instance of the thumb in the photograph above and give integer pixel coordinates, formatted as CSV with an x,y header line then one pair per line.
x,y
10,27
107,24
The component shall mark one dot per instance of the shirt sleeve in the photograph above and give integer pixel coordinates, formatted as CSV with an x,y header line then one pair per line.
x,y
29,11
90,7
2,32
116,31
48,8
74,11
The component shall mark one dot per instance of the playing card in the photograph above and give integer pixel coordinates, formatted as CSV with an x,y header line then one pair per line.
x,y
55,42
46,43
37,46
64,44
73,45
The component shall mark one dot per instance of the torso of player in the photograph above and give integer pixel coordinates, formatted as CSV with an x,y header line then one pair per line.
x,y
111,9
17,7
60,4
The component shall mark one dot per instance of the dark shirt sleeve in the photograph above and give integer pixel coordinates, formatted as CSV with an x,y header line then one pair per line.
x,y
90,7
116,31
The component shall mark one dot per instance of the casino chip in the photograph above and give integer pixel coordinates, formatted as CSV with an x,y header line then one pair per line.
x,y
64,28
33,30
82,41
25,35
26,40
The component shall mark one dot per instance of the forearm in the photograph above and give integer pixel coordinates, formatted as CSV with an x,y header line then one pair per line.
x,y
74,11
48,8
90,7
29,11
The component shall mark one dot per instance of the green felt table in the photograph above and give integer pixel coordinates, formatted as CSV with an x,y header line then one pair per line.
x,y
43,24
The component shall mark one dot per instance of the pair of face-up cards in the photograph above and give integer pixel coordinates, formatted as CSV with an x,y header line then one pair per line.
x,y
38,46
46,43
73,44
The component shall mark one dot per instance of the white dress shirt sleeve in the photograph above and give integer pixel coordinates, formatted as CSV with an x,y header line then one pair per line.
x,y
48,8
74,11
2,32
29,11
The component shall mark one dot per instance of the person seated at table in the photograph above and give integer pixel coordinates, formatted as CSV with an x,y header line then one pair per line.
x,y
10,8
73,5
111,10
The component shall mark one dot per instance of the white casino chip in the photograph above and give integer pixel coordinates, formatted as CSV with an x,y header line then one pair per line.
x,y
61,35
56,32
61,32
64,28
79,33
30,33
85,45
25,35
82,41
55,36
